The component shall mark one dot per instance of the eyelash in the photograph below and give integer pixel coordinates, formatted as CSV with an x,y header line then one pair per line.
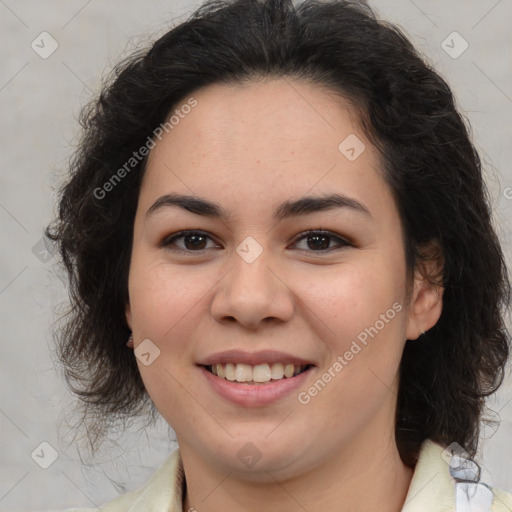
x,y
168,241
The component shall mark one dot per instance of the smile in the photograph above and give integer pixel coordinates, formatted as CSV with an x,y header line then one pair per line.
x,y
257,374
249,393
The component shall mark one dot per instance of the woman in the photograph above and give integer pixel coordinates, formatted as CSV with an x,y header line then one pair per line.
x,y
277,236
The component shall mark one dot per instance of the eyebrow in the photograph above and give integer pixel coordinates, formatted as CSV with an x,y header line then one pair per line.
x,y
303,206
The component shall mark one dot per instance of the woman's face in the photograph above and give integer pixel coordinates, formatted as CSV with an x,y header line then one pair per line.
x,y
254,281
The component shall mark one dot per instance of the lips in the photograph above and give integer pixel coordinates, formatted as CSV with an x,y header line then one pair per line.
x,y
256,374
253,394
255,388
254,358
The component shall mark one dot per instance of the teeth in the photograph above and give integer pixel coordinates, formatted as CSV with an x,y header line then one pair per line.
x,y
261,373
258,374
243,373
277,371
288,370
229,371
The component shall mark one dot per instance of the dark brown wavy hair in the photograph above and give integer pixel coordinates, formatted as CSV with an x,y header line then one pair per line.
x,y
430,164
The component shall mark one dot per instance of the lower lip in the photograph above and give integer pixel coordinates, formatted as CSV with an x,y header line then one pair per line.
x,y
254,395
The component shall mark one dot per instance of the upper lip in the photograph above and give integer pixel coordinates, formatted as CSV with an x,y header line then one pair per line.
x,y
253,358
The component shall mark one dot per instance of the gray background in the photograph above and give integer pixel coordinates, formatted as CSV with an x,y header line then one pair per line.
x,y
40,100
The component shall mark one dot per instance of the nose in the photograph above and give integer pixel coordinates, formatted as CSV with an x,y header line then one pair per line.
x,y
252,293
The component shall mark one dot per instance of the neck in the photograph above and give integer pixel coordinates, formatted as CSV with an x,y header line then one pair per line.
x,y
362,476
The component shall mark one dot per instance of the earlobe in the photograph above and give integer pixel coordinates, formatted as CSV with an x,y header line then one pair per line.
x,y
128,314
425,309
427,297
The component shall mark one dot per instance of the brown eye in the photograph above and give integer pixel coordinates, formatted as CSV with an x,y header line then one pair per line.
x,y
320,241
192,241
189,241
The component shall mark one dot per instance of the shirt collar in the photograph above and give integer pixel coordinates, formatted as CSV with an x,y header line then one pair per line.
x,y
431,489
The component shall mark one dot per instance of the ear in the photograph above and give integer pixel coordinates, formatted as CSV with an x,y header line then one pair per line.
x,y
128,315
426,302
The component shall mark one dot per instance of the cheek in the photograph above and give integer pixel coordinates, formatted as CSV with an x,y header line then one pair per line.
x,y
363,324
164,299
165,302
362,316
351,297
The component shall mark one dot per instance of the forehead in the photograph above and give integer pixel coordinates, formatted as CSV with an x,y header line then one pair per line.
x,y
261,141
273,116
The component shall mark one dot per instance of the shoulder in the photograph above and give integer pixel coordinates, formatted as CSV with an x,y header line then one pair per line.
x,y
502,500
444,479
162,492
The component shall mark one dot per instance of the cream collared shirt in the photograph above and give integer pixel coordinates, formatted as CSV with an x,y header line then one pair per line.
x,y
438,485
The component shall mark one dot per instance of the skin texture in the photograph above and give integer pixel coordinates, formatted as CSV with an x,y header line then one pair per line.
x,y
249,148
